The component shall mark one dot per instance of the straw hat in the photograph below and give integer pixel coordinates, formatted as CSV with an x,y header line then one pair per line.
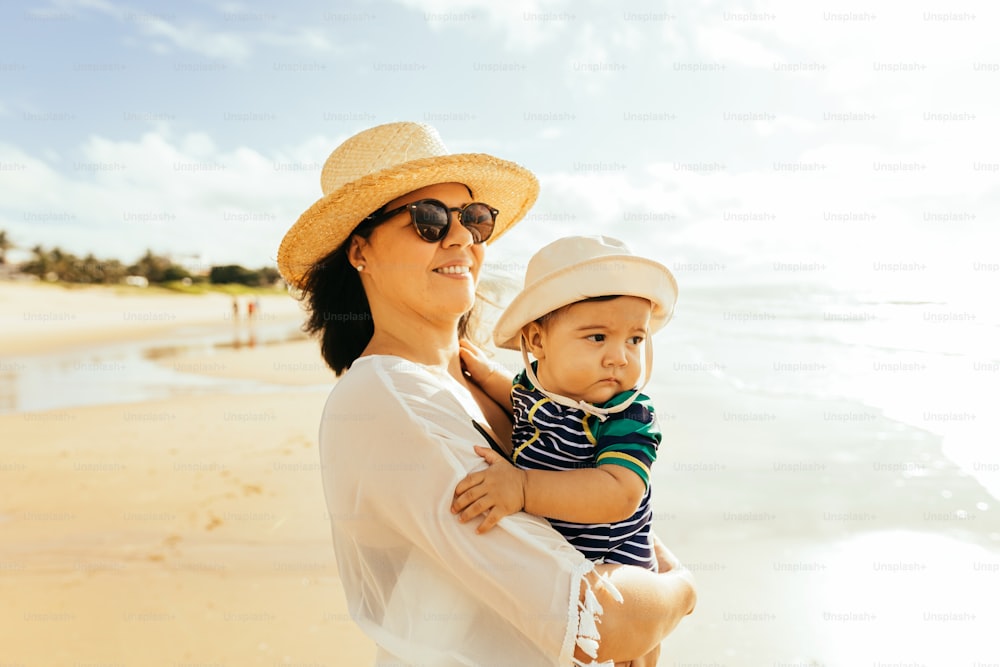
x,y
579,267
385,162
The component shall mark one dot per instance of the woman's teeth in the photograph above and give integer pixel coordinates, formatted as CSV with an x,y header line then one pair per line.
x,y
452,269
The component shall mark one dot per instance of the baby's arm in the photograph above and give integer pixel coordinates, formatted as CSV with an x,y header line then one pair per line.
x,y
491,377
605,494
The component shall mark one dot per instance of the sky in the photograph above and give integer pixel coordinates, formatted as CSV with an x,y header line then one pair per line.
x,y
842,143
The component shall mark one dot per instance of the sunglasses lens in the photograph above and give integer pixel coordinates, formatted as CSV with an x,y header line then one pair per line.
x,y
478,219
430,219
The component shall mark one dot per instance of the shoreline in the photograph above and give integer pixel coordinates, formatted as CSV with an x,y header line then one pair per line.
x,y
41,319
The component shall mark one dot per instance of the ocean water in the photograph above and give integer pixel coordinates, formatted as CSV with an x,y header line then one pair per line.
x,y
128,372
904,578
931,364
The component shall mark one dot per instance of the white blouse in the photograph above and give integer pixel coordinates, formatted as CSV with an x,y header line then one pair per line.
x,y
395,440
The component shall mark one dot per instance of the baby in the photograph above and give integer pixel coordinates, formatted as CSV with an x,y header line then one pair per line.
x,y
584,435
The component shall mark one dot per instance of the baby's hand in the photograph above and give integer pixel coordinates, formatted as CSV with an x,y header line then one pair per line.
x,y
475,363
495,492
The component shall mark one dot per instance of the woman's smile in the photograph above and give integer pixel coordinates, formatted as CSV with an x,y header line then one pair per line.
x,y
455,270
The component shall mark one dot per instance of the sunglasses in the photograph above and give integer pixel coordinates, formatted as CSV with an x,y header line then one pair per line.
x,y
432,218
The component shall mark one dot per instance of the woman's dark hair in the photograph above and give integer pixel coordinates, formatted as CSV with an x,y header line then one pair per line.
x,y
338,306
338,309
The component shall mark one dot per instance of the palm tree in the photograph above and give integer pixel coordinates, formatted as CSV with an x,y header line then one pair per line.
x,y
5,245
41,264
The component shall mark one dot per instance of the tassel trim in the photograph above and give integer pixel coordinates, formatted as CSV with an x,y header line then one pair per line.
x,y
585,614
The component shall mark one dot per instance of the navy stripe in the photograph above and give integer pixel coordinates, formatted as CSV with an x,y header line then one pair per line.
x,y
562,444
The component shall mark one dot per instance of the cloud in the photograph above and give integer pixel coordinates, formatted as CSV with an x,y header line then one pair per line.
x,y
182,195
725,44
524,24
829,214
163,32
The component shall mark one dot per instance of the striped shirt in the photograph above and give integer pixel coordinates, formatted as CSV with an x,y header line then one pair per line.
x,y
550,436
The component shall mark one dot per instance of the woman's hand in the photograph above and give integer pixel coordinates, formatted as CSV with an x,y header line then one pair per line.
x,y
668,562
648,660
665,558
495,492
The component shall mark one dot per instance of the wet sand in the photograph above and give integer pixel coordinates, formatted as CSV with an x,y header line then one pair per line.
x,y
38,318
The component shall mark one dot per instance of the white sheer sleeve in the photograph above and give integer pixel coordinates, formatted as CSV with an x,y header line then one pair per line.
x,y
395,440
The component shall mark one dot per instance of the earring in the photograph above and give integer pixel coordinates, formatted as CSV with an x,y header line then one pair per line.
x,y
360,267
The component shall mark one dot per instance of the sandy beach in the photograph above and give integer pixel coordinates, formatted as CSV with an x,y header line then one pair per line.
x,y
190,529
38,318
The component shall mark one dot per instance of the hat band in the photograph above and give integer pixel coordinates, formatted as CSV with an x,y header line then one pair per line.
x,y
589,408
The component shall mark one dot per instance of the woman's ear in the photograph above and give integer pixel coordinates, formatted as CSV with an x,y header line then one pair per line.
x,y
355,252
534,336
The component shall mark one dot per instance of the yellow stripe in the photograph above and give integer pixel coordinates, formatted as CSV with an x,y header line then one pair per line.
x,y
624,457
531,420
586,429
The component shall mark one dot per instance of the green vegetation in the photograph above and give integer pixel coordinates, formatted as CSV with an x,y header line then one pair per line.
x,y
56,265
234,289
5,245
234,273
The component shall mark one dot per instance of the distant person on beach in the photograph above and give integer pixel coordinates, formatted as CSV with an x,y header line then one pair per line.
x,y
584,437
388,262
252,315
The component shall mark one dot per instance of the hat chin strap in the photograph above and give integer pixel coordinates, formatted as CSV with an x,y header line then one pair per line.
x,y
600,413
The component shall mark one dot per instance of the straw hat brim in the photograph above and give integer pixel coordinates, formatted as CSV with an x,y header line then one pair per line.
x,y
504,185
602,276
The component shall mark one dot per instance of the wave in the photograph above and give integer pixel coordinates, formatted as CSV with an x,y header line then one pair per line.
x,y
917,362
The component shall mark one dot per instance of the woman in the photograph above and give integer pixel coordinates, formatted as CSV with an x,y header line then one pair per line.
x,y
388,261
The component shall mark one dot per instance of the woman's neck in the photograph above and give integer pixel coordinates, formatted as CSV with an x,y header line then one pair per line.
x,y
422,343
